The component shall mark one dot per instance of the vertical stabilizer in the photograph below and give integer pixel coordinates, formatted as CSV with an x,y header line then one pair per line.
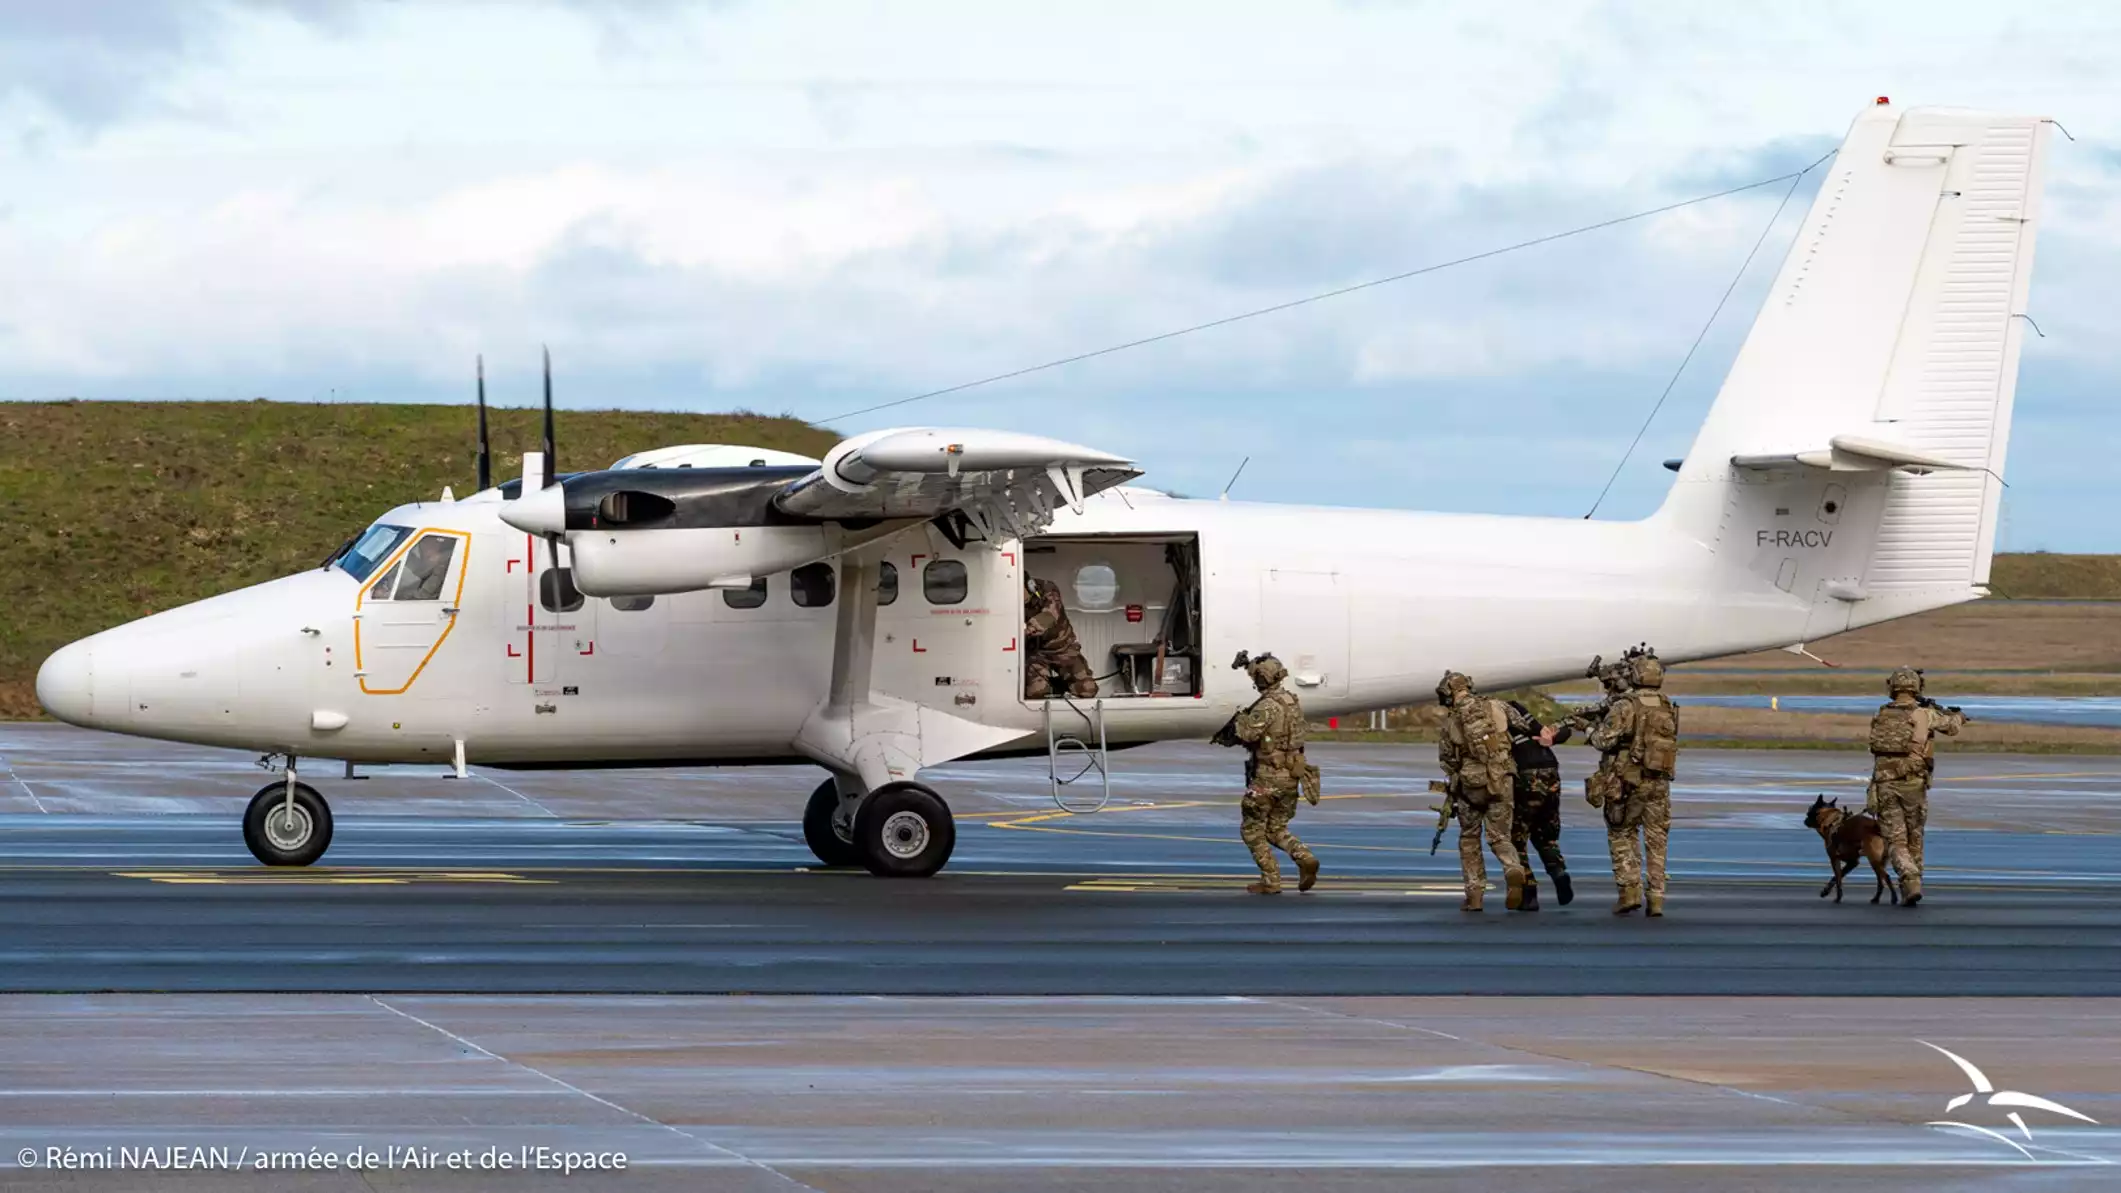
x,y
1854,455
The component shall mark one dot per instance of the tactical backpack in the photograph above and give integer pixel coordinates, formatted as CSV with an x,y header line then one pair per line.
x,y
1655,747
1484,730
1897,732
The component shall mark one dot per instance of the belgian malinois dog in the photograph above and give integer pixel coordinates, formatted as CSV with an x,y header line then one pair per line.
x,y
1849,839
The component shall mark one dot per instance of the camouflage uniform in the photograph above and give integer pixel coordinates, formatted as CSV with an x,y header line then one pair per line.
x,y
1584,718
1903,750
1639,739
1053,655
1272,730
1474,751
1535,819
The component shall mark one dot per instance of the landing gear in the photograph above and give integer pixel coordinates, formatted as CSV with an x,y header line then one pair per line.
x,y
904,830
829,834
287,831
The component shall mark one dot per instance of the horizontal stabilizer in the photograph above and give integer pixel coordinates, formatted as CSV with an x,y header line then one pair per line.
x,y
1853,453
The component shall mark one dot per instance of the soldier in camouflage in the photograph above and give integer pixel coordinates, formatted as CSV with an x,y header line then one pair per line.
x,y
1903,745
1272,732
1639,741
1535,818
1474,751
1053,655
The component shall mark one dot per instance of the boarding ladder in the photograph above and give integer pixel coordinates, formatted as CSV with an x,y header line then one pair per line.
x,y
1076,746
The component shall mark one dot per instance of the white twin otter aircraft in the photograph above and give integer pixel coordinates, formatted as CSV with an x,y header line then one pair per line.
x,y
865,612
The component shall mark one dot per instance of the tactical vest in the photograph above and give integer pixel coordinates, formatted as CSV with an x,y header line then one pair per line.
x,y
1655,746
1900,730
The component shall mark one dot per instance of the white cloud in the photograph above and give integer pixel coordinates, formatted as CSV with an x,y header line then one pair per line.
x,y
816,207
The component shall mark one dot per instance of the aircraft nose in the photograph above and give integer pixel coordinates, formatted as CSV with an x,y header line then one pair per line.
x,y
66,684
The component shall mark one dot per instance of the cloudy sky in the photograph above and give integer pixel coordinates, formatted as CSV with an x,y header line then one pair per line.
x,y
815,207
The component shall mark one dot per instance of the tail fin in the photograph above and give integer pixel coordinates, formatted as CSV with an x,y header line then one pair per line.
x,y
1854,456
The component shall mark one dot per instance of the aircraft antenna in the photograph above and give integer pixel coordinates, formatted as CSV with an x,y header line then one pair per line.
x,y
1233,478
1225,321
1704,333
485,447
552,470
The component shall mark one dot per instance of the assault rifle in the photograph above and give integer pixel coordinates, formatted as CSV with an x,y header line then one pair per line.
x,y
1933,706
1442,810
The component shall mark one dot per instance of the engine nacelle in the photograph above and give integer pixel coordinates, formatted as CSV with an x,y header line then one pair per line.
x,y
646,562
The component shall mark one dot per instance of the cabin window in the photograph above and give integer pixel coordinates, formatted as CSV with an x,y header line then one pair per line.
x,y
944,582
811,585
632,604
886,583
556,591
746,598
426,568
380,590
1096,586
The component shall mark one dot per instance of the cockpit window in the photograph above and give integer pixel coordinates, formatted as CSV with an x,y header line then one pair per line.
x,y
371,549
381,590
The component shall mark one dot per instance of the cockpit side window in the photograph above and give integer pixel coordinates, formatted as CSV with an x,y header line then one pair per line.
x,y
370,550
426,566
380,590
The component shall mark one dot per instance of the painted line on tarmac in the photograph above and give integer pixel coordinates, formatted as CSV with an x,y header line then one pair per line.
x,y
328,877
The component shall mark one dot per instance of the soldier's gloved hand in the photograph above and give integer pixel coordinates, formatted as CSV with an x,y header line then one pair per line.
x,y
1312,797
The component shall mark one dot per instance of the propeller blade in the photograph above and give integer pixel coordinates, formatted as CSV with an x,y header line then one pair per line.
x,y
551,456
485,447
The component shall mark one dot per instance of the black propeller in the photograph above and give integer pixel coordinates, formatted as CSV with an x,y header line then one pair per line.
x,y
485,447
552,468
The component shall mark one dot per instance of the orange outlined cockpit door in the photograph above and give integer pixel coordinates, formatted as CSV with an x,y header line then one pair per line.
x,y
402,618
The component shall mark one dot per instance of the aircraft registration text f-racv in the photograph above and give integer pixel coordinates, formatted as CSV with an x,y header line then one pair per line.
x,y
864,612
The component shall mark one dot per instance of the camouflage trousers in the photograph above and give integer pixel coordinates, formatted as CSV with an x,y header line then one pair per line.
x,y
1494,819
1536,820
1052,674
1638,824
1265,823
1903,811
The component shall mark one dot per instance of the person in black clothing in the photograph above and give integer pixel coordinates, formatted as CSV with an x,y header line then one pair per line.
x,y
1538,804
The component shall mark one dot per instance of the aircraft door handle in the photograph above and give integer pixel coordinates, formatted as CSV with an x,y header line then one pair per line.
x,y
449,611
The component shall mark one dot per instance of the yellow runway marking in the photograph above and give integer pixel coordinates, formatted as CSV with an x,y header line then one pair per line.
x,y
328,877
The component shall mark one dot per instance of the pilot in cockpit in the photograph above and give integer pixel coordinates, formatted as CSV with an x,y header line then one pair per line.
x,y
426,566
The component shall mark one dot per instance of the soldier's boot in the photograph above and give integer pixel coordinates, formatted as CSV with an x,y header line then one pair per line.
x,y
1513,880
1630,899
1531,897
1262,888
1473,895
1910,891
1306,873
1655,903
1564,890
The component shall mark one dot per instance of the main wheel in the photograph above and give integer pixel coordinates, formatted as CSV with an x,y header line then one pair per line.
x,y
833,843
904,830
280,837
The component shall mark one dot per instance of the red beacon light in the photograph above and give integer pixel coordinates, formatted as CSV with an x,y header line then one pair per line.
x,y
1882,101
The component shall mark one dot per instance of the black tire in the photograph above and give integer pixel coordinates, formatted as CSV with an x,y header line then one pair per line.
x,y
273,842
818,832
904,830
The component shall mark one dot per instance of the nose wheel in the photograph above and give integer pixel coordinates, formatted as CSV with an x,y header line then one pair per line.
x,y
284,832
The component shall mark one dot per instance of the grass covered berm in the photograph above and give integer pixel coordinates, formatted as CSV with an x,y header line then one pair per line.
x,y
113,510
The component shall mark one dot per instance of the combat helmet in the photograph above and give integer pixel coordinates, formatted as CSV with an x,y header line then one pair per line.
x,y
1647,671
1452,681
1266,671
1904,679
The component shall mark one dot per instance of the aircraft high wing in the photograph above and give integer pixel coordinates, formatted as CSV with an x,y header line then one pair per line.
x,y
651,530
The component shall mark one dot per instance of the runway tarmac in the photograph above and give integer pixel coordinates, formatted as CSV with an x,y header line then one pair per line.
x,y
1144,1024
124,862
